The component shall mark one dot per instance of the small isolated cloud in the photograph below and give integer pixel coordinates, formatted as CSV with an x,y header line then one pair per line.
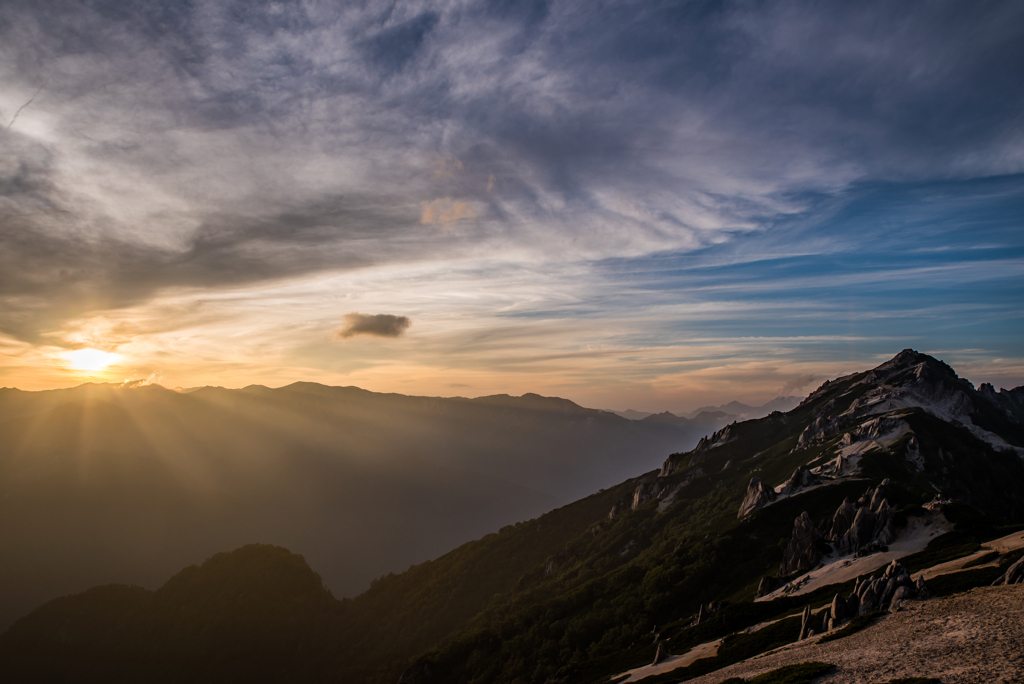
x,y
153,379
376,325
444,212
796,384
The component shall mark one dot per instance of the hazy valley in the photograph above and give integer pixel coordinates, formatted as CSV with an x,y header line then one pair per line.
x,y
103,483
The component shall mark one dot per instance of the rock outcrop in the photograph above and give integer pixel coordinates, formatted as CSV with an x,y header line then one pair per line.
x,y
841,522
836,614
758,495
868,526
819,428
660,655
887,592
1011,401
805,624
873,528
706,444
805,548
644,492
801,479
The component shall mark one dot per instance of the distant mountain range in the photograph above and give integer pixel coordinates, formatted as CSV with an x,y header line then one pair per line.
x,y
734,410
102,483
766,531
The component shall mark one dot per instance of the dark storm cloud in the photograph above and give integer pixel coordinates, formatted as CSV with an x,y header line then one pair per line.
x,y
374,325
274,138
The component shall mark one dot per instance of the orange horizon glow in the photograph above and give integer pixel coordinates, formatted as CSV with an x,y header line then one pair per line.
x,y
91,359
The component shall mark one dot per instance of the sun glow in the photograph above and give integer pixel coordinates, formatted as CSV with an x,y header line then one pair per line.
x,y
91,359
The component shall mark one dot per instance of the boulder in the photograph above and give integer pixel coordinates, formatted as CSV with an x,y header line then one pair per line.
x,y
888,592
838,611
868,601
853,604
902,594
660,655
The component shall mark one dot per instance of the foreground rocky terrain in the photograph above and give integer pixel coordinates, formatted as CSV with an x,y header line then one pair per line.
x,y
968,638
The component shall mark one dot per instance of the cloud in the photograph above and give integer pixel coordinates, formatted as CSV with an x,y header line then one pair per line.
x,y
445,212
190,150
375,325
796,384
153,379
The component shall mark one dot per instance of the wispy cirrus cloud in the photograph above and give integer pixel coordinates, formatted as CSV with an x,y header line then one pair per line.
x,y
585,163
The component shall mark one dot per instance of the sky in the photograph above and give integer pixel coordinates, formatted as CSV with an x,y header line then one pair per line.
x,y
648,205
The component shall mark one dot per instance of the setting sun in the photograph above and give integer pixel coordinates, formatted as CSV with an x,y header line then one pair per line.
x,y
91,359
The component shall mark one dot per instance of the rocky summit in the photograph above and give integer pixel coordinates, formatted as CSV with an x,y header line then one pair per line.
x,y
880,494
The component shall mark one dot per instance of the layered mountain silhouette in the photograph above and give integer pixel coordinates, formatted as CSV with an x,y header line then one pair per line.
x,y
103,483
734,410
839,504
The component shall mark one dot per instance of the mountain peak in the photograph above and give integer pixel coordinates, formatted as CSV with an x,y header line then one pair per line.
x,y
910,358
913,370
